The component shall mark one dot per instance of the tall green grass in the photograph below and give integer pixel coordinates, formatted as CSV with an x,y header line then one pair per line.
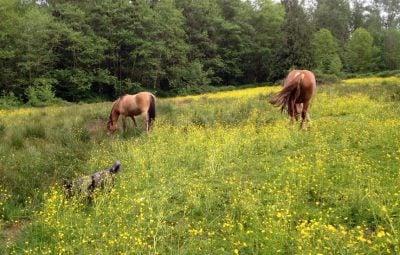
x,y
219,174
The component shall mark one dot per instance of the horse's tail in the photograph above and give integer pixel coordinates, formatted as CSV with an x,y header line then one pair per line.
x,y
286,98
152,108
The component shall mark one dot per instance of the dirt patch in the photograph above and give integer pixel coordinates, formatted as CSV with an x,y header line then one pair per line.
x,y
183,102
12,230
96,126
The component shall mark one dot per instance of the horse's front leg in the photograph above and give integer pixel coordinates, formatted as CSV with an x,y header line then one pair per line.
x,y
298,109
134,121
123,119
147,122
292,113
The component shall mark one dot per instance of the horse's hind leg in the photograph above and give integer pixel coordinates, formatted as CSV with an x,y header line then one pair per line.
x,y
292,113
305,117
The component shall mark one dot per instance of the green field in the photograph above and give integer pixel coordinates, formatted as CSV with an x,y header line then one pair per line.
x,y
220,174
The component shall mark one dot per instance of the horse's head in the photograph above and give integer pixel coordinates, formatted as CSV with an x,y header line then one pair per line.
x,y
111,126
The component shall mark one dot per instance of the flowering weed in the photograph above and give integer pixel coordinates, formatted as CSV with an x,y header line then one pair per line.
x,y
224,173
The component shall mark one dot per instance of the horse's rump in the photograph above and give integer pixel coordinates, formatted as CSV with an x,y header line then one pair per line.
x,y
287,97
296,94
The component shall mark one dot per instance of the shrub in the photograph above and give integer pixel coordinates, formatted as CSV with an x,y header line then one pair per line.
x,y
35,131
8,100
16,141
323,78
41,93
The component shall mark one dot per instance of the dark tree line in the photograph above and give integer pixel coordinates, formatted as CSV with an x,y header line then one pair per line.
x,y
82,49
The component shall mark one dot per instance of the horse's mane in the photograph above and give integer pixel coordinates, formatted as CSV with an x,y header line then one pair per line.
x,y
113,106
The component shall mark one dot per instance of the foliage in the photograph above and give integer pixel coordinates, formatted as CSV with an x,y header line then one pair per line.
x,y
41,93
360,52
335,16
325,52
391,49
99,50
295,44
324,78
9,100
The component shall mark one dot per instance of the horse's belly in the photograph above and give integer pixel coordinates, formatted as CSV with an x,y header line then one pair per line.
x,y
131,110
134,112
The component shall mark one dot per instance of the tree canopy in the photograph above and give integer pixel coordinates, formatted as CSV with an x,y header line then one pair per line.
x,y
80,50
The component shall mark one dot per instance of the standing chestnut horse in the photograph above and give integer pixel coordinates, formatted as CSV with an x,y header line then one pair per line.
x,y
142,103
298,89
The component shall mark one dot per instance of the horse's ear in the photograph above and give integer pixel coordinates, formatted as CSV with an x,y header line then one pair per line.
x,y
116,167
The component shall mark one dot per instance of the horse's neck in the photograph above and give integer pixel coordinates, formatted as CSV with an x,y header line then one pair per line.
x,y
115,111
115,115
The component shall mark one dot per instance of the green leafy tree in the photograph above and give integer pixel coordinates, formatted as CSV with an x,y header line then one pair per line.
x,y
325,52
171,48
295,44
266,21
390,12
334,15
391,49
358,14
9,32
360,52
145,42
233,39
335,65
203,21
41,93
26,51
79,51
116,22
34,44
373,21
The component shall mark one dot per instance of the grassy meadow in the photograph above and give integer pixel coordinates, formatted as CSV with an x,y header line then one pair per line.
x,y
220,173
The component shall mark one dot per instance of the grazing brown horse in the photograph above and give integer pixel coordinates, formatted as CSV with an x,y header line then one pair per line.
x,y
298,89
142,103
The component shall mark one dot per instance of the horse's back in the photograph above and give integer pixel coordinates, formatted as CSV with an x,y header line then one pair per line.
x,y
143,100
136,104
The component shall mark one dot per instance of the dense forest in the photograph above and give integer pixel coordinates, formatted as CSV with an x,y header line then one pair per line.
x,y
79,50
